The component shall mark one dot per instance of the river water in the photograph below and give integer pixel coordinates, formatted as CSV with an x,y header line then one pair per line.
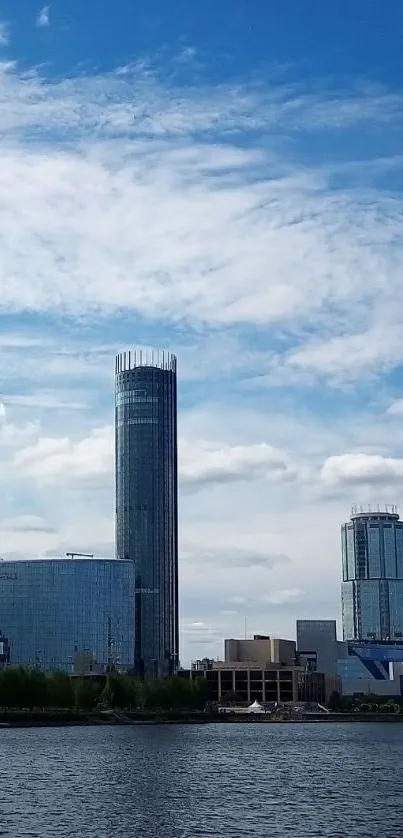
x,y
226,781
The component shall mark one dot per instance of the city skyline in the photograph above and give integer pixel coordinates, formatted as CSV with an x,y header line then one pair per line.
x,y
226,183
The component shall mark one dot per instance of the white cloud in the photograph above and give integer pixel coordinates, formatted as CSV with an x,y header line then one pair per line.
x,y
350,469
205,463
282,597
348,356
12,435
396,408
229,558
239,236
42,400
43,18
200,464
26,524
51,459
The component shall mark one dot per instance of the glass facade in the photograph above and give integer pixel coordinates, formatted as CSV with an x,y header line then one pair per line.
x,y
372,587
51,610
147,500
319,637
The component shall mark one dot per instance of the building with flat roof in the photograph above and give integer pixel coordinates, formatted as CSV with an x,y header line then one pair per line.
x,y
247,682
372,587
317,645
53,609
242,683
260,650
147,500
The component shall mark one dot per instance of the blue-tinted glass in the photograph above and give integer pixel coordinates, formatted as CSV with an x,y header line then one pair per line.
x,y
396,608
51,609
319,636
350,552
146,502
348,610
389,547
368,609
374,551
344,552
399,550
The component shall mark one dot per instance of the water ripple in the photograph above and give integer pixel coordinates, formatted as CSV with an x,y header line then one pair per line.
x,y
226,781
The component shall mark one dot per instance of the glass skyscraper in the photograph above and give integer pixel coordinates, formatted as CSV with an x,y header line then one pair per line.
x,y
372,587
147,500
53,610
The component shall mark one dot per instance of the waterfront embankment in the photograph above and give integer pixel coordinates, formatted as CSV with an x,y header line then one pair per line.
x,y
63,718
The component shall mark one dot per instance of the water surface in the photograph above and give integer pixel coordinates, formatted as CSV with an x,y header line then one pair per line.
x,y
226,781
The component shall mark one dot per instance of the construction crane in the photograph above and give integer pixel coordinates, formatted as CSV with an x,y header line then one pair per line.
x,y
82,555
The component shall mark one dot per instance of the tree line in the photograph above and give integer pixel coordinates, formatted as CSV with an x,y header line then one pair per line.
x,y
364,703
31,689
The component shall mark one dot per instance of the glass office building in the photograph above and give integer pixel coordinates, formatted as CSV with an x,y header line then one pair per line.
x,y
52,610
147,500
372,587
319,639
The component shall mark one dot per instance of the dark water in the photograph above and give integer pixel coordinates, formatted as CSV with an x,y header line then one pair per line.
x,y
235,781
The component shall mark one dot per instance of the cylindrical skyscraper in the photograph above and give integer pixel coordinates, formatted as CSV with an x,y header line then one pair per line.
x,y
147,500
372,588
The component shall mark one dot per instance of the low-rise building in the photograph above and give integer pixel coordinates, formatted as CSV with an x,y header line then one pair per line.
x,y
260,649
247,682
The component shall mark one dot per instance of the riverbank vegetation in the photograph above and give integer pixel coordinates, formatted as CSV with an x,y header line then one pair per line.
x,y
365,704
29,688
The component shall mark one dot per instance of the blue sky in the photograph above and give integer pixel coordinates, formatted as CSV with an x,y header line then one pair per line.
x,y
225,180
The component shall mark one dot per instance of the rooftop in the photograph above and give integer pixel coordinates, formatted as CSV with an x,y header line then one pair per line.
x,y
74,558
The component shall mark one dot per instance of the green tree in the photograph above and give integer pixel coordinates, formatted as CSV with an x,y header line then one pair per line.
x,y
60,691
36,688
22,688
87,692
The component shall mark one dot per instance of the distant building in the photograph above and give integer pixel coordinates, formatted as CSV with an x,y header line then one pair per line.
x,y
147,500
242,683
55,610
4,651
260,650
372,587
317,645
248,682
367,666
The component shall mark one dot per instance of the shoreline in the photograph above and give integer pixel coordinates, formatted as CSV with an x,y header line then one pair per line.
x,y
28,719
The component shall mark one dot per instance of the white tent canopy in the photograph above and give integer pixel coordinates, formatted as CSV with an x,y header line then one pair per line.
x,y
255,708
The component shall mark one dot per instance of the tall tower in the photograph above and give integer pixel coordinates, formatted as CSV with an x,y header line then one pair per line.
x,y
372,587
147,500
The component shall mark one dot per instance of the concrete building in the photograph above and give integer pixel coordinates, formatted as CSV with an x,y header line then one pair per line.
x,y
283,651
147,501
248,682
243,683
260,650
317,645
372,587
